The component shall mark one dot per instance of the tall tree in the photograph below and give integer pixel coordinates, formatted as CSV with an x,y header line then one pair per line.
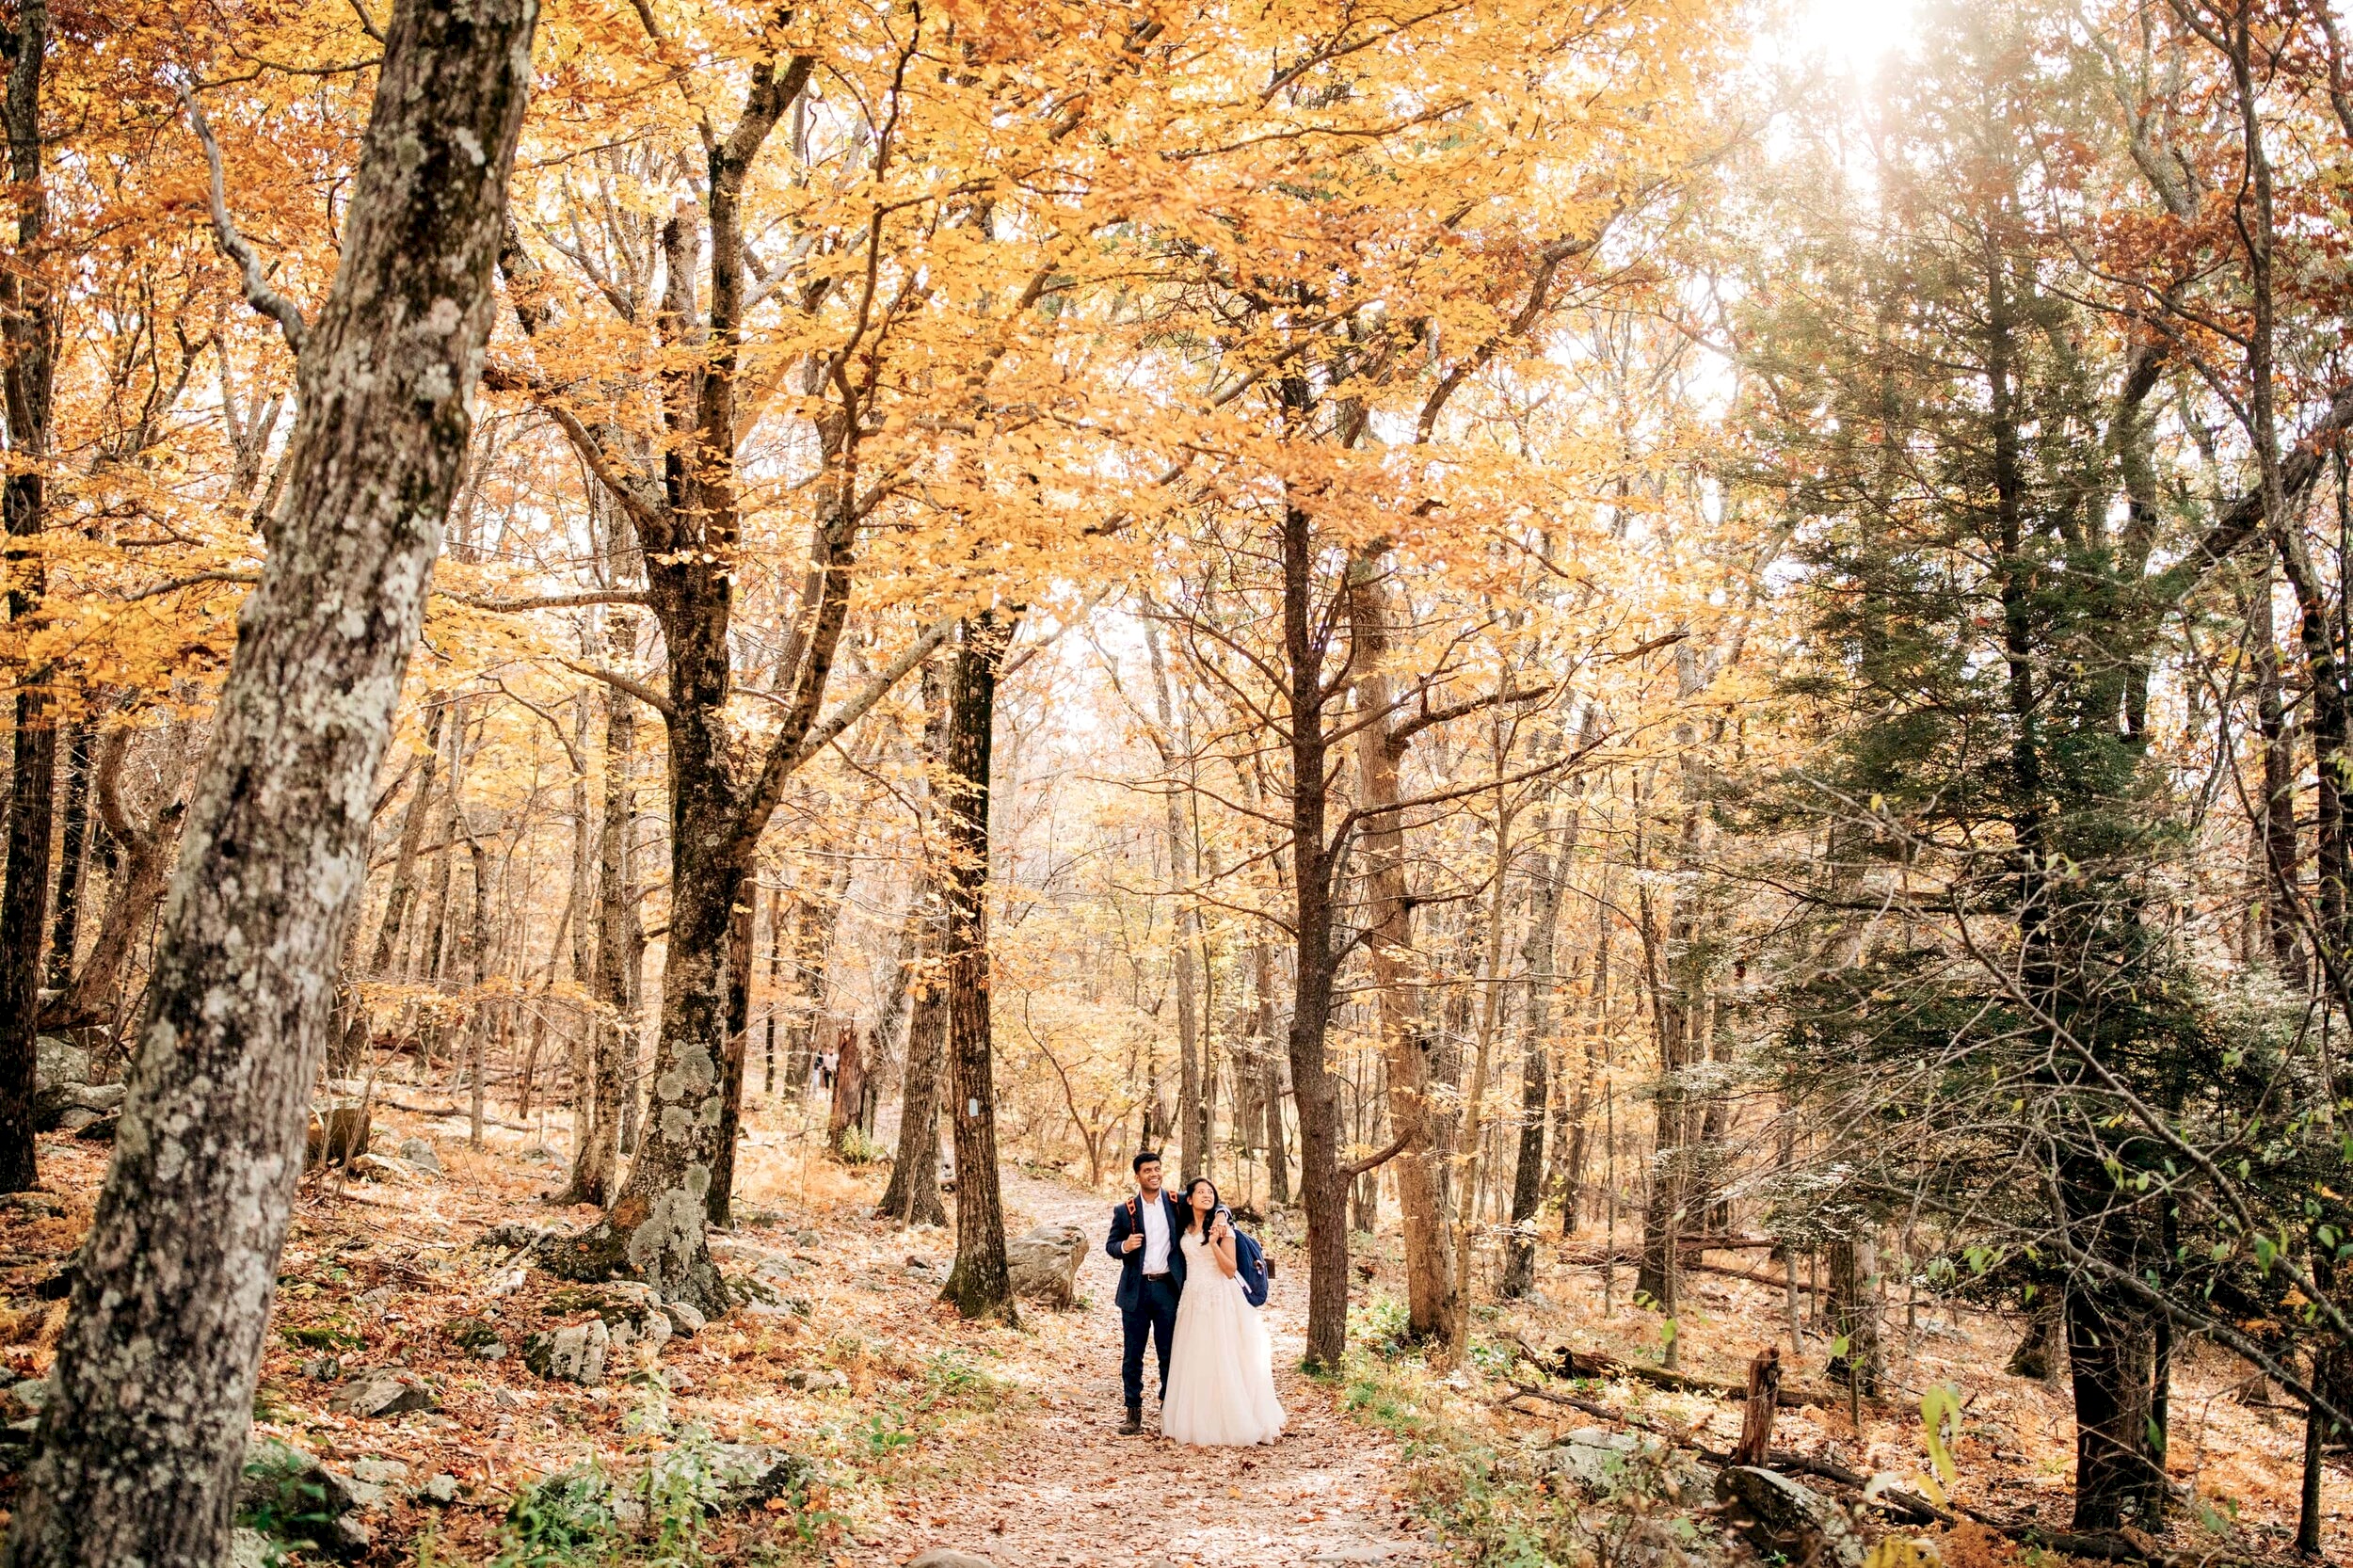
x,y
29,304
173,1289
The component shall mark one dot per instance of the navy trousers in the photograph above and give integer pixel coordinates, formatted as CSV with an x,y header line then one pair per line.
x,y
1155,1317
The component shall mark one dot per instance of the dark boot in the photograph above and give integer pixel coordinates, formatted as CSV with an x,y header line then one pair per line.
x,y
1133,1425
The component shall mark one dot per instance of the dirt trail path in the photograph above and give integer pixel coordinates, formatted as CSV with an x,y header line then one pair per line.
x,y
1069,1489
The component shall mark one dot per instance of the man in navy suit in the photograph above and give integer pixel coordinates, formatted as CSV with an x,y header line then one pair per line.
x,y
1151,1276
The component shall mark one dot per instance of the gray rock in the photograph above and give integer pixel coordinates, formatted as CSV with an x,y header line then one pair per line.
x,y
736,1476
631,1314
1044,1263
386,1168
250,1548
574,1354
73,1118
420,1154
384,1392
1777,1516
808,1239
477,1338
1593,1458
941,1556
377,1298
100,1129
440,1490
300,1502
58,1065
31,1394
380,1472
815,1380
686,1319
33,1203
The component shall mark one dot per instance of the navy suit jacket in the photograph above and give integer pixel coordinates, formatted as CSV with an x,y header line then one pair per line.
x,y
1131,1263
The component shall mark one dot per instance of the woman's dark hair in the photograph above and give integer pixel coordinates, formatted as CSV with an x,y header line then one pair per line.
x,y
1192,1215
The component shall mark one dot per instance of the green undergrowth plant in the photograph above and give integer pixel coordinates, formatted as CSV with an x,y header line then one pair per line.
x,y
1491,1503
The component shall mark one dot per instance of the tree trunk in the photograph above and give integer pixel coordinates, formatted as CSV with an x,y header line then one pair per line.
x,y
477,1013
65,938
172,1293
720,1205
913,1196
2109,1356
29,326
618,935
346,1052
776,985
136,886
1323,1185
978,1285
1431,1302
1855,1313
1536,961
848,1109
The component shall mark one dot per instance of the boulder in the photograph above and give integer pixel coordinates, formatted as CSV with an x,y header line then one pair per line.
x,y
64,1098
31,1394
420,1153
631,1314
686,1319
941,1556
574,1354
1779,1518
731,1477
98,1129
1044,1263
440,1490
384,1392
291,1498
1593,1458
815,1380
380,1473
337,1132
385,1168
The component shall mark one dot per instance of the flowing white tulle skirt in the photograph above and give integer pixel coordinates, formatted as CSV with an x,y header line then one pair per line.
x,y
1221,1375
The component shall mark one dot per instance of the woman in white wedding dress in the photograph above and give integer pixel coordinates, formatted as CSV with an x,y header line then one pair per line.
x,y
1221,1380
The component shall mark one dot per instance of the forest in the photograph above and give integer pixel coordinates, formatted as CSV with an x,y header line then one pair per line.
x,y
1673,681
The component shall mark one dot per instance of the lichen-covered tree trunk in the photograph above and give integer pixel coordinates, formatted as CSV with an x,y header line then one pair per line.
x,y
978,1285
655,1229
65,937
139,1448
1536,961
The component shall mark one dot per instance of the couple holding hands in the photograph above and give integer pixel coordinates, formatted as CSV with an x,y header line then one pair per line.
x,y
1188,1281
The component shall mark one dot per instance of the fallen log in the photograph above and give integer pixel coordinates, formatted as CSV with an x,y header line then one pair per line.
x,y
1569,1362
415,1110
1592,1257
1897,1502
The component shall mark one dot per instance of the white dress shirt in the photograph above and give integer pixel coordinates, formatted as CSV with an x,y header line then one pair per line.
x,y
1155,1236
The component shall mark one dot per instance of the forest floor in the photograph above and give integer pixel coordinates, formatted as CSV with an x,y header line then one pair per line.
x,y
926,1431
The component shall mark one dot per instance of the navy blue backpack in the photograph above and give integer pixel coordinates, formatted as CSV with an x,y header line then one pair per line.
x,y
1251,1268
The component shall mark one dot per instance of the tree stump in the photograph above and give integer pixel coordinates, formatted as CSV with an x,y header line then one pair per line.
x,y
1756,1414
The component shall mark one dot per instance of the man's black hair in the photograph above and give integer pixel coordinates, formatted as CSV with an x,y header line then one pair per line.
x,y
1152,1155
